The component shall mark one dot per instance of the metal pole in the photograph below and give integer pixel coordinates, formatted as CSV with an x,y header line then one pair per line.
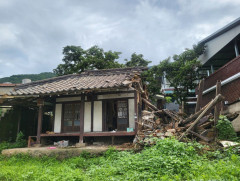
x,y
236,48
212,70
208,72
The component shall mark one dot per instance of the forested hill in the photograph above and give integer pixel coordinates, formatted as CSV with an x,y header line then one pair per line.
x,y
15,79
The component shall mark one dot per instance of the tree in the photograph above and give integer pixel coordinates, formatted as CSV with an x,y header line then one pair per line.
x,y
153,79
77,60
136,61
182,72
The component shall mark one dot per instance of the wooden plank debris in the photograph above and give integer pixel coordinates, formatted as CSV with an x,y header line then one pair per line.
x,y
160,123
212,104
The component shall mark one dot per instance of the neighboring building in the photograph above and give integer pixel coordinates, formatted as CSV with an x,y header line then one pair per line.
x,y
93,104
221,62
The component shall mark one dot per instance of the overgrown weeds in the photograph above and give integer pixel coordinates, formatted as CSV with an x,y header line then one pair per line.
x,y
169,159
19,143
225,129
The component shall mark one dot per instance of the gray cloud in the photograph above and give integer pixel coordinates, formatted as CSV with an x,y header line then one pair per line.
x,y
33,33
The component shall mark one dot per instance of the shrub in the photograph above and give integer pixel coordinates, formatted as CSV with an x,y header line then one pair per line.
x,y
168,99
225,129
19,143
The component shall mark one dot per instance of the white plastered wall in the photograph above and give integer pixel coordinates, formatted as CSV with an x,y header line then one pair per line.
x,y
58,118
97,116
131,113
87,117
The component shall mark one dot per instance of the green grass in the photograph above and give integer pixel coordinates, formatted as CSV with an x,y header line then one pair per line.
x,y
167,160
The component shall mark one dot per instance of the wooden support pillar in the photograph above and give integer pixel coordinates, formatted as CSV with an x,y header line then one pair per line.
x,y
112,140
92,113
39,128
81,119
182,107
19,120
217,108
199,98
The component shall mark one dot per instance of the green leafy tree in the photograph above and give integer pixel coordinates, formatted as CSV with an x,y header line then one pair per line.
x,y
77,60
183,73
136,61
153,79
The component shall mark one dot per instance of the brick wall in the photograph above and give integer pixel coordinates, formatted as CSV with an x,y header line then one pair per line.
x,y
226,71
231,91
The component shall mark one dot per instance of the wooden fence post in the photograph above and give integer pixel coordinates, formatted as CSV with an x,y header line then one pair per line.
x,y
199,98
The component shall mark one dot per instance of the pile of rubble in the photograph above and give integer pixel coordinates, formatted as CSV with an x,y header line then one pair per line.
x,y
165,123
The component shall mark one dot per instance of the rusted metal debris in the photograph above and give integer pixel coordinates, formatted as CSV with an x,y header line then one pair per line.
x,y
165,123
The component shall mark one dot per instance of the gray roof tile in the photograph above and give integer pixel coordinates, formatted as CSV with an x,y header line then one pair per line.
x,y
93,79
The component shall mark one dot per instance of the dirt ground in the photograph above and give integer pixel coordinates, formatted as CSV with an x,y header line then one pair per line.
x,y
61,153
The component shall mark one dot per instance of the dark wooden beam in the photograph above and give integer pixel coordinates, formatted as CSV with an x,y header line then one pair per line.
x,y
199,98
104,112
92,114
39,128
194,116
81,119
91,134
19,119
200,136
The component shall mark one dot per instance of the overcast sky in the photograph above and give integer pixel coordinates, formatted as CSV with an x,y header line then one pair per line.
x,y
33,33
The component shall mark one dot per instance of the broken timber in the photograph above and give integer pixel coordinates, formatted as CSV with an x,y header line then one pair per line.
x,y
212,104
194,116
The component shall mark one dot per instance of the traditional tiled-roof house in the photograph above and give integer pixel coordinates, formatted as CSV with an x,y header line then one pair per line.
x,y
95,103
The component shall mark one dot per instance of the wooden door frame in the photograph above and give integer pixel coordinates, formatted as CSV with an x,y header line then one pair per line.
x,y
63,109
104,110
124,99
